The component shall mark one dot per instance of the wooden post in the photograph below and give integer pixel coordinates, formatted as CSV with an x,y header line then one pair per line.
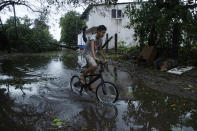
x,y
116,42
15,21
106,40
115,74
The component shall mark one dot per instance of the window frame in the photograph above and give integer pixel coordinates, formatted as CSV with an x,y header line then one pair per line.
x,y
112,13
116,13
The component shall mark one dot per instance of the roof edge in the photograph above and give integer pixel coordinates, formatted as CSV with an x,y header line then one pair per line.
x,y
86,11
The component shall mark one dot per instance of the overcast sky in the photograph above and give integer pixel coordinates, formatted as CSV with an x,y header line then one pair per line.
x,y
54,17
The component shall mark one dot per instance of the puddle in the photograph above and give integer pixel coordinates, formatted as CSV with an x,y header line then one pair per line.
x,y
37,91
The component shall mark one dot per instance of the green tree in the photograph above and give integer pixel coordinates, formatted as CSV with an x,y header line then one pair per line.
x,y
47,3
36,39
71,25
166,24
10,21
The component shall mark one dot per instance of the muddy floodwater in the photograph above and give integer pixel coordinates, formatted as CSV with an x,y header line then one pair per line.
x,y
35,95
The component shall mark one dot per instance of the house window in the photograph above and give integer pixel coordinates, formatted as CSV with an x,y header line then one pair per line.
x,y
116,13
119,13
113,13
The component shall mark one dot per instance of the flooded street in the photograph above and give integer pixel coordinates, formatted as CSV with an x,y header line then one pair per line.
x,y
37,92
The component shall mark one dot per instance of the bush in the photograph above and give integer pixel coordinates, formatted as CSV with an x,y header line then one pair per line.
x,y
194,55
188,56
128,53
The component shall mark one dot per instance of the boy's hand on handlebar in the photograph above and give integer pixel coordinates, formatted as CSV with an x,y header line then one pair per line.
x,y
97,59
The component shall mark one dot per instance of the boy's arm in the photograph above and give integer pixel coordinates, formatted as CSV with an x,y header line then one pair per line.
x,y
92,50
102,54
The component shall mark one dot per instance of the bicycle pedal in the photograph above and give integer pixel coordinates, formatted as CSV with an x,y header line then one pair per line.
x,y
81,92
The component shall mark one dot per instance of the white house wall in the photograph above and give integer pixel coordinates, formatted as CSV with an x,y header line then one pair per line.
x,y
101,15
80,39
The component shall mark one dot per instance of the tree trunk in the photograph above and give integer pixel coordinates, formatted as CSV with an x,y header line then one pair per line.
x,y
141,40
176,35
153,36
15,22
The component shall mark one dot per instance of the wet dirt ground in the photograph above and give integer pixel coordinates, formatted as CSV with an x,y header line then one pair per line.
x,y
38,97
184,85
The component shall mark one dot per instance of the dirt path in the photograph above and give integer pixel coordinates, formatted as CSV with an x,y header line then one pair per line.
x,y
184,85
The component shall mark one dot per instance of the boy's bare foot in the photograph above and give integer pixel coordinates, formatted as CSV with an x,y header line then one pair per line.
x,y
82,79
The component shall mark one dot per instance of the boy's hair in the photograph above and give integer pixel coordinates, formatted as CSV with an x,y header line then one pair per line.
x,y
101,28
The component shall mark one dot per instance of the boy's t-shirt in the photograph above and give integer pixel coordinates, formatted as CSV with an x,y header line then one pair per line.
x,y
87,50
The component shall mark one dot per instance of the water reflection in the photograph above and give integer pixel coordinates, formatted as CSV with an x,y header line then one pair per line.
x,y
5,77
115,74
21,90
96,117
150,111
70,60
55,67
154,110
11,119
40,87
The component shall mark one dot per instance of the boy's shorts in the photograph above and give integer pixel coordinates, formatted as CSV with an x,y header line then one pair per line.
x,y
90,60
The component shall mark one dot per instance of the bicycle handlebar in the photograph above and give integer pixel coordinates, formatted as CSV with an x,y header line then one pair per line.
x,y
102,63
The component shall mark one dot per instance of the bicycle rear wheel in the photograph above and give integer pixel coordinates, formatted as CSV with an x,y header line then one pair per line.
x,y
75,84
107,93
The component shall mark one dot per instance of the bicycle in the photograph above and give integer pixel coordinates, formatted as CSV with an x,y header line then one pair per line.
x,y
105,89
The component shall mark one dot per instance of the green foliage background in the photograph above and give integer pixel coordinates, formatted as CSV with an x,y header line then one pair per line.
x,y
171,25
32,36
71,25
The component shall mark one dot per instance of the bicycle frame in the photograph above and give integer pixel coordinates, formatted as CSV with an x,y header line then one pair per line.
x,y
97,76
102,85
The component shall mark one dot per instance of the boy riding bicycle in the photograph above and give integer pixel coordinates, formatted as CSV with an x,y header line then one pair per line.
x,y
93,45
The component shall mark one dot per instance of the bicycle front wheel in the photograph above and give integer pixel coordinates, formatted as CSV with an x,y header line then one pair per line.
x,y
107,93
75,84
